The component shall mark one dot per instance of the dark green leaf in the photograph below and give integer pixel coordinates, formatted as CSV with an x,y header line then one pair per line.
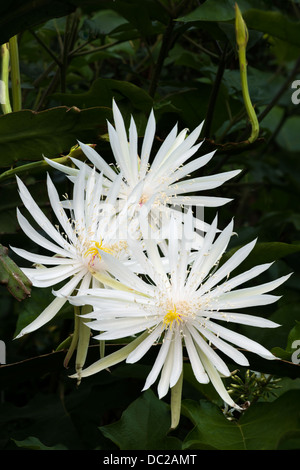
x,y
261,427
33,443
27,135
104,90
144,425
271,22
24,14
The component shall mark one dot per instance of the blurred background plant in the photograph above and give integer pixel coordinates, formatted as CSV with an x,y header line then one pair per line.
x,y
180,58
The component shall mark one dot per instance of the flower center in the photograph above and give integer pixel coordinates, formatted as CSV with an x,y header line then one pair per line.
x,y
94,250
171,316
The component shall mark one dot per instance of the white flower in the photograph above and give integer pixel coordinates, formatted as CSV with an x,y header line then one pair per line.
x,y
185,307
162,184
84,231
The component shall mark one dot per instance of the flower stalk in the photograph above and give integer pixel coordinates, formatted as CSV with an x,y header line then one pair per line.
x,y
15,74
242,40
5,99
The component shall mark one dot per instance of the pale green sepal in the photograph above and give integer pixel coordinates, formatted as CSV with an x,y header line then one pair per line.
x,y
111,359
176,393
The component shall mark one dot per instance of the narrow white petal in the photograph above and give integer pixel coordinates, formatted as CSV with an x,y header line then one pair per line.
x,y
209,352
177,359
128,331
231,302
205,201
160,360
235,281
243,319
50,311
164,382
147,143
41,259
240,340
39,216
235,260
190,167
45,277
144,347
226,348
256,290
217,381
59,210
39,239
98,161
194,358
164,149
133,149
63,168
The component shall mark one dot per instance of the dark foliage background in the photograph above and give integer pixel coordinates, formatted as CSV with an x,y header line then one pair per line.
x,y
179,57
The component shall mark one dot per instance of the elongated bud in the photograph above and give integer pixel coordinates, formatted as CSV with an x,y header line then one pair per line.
x,y
240,28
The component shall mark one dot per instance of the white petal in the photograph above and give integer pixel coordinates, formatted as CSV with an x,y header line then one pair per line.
x,y
129,331
177,359
39,239
63,168
209,352
59,211
194,358
164,382
217,381
147,143
44,317
144,347
98,161
205,201
235,260
240,340
243,319
160,360
40,217
227,349
41,259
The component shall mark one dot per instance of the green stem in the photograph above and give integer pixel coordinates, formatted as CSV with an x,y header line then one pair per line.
x,y
15,74
4,98
31,166
242,39
176,393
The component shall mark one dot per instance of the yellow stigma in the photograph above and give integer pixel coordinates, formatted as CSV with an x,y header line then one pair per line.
x,y
94,250
171,316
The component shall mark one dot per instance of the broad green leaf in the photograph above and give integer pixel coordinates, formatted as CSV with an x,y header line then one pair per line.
x,y
272,22
20,15
103,90
261,427
12,277
213,10
33,443
27,135
143,426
